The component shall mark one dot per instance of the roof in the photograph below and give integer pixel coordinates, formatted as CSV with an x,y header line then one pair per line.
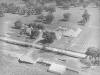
x,y
57,68
72,33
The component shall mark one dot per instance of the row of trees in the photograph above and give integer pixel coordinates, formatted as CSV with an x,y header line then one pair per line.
x,y
25,10
31,9
65,3
83,3
12,8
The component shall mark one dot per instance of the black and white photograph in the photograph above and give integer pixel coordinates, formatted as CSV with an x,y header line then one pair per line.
x,y
49,37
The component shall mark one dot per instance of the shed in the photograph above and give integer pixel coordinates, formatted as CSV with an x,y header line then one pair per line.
x,y
57,68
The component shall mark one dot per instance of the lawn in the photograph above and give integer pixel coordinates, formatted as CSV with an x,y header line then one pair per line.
x,y
62,43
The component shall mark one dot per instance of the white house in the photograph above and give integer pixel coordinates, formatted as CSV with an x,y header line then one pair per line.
x,y
72,33
66,32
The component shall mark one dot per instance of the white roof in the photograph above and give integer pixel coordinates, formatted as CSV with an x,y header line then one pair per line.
x,y
27,59
57,68
72,33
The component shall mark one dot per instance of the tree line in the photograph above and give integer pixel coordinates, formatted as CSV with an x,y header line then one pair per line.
x,y
28,9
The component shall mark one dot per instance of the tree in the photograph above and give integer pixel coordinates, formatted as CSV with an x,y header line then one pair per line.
x,y
21,10
48,19
3,7
1,14
11,8
97,3
37,26
65,6
94,55
26,1
49,37
91,51
40,27
66,16
34,34
18,24
38,10
17,9
45,19
85,17
40,18
59,2
50,9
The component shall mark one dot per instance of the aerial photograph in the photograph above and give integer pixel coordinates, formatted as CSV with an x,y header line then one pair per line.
x,y
49,37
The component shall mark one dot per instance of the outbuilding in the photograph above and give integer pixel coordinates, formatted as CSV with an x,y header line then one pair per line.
x,y
57,68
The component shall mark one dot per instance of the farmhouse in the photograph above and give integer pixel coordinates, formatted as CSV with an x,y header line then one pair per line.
x,y
67,32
